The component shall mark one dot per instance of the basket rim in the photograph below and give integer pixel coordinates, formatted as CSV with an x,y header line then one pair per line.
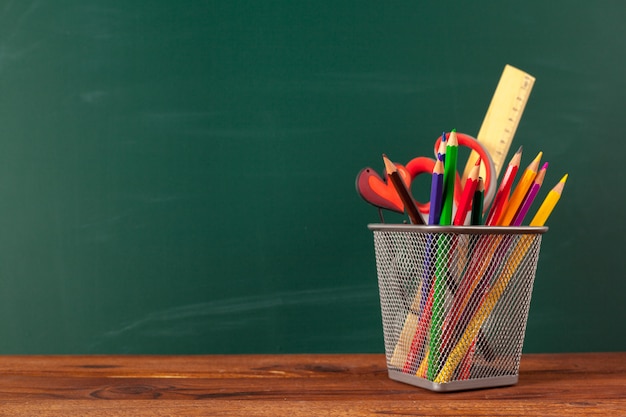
x,y
461,230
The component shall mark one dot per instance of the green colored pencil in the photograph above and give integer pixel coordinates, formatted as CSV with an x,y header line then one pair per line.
x,y
441,262
449,176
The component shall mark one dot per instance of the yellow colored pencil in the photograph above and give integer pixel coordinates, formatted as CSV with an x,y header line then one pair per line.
x,y
548,204
522,187
518,254
421,371
465,342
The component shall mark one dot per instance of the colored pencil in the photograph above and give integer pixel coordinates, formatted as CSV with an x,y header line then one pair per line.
x,y
449,177
502,194
519,252
437,308
439,280
403,192
466,364
522,187
486,307
436,195
477,203
419,338
441,151
403,347
549,203
468,195
530,197
421,370
436,192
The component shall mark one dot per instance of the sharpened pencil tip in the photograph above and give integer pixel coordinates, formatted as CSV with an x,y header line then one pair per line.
x,y
520,149
389,166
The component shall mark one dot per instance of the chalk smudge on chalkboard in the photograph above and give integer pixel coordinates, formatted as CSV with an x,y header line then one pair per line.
x,y
93,97
207,124
359,82
169,320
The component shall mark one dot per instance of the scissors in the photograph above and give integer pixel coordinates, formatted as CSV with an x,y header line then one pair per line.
x,y
380,193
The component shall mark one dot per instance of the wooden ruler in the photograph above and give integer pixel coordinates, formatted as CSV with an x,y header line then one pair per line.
x,y
503,116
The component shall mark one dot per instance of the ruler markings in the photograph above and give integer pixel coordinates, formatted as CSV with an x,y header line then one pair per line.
x,y
502,118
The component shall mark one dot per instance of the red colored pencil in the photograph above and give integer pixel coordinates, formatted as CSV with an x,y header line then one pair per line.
x,y
504,190
468,195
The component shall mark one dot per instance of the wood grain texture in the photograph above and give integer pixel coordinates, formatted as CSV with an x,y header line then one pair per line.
x,y
296,385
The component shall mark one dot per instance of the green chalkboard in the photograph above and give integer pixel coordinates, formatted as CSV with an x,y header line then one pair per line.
x,y
178,176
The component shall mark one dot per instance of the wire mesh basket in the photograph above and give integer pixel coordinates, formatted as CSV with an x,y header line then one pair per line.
x,y
455,302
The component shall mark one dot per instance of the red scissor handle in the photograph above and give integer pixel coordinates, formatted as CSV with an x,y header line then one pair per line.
x,y
424,165
471,142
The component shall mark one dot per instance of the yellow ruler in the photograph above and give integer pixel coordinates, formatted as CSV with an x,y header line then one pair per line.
x,y
503,116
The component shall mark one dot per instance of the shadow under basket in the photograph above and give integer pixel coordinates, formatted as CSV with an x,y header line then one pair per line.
x,y
454,302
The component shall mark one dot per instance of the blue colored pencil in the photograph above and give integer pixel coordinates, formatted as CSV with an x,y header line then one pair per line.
x,y
441,151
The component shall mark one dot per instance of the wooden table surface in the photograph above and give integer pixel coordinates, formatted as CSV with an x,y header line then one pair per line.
x,y
586,384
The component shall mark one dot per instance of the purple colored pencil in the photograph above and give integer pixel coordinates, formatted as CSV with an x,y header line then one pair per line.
x,y
436,198
530,196
436,192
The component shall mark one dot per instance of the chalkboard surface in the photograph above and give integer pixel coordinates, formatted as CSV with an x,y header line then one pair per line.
x,y
178,177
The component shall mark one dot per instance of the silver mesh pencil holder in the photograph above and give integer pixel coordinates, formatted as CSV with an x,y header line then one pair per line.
x,y
455,302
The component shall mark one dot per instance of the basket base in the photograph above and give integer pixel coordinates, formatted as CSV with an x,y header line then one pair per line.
x,y
469,384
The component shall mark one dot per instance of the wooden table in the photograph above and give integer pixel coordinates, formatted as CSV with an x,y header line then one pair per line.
x,y
295,385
